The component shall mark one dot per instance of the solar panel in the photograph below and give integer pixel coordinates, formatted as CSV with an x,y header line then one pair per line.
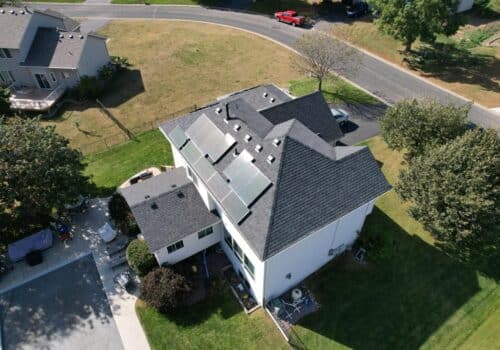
x,y
178,137
204,168
234,207
246,179
218,186
191,153
209,139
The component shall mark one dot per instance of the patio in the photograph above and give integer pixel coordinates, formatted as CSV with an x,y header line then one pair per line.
x,y
35,99
287,309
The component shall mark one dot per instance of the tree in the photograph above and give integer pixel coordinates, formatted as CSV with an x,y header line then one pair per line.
x,y
454,189
164,289
119,209
140,260
321,55
4,101
417,19
415,126
38,172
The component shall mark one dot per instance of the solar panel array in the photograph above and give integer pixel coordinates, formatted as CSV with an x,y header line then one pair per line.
x,y
246,179
209,139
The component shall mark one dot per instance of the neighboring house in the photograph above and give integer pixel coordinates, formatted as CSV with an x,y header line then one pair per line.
x,y
43,53
253,174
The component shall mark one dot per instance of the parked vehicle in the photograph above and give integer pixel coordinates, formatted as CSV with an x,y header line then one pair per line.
x,y
359,9
290,17
340,115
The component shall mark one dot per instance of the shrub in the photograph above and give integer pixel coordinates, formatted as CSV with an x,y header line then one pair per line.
x,y
4,101
119,209
164,289
89,88
140,260
120,62
106,72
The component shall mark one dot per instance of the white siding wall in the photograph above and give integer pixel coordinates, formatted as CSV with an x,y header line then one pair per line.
x,y
94,56
192,245
256,282
309,254
12,65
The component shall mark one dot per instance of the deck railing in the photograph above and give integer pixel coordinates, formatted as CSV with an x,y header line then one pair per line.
x,y
43,104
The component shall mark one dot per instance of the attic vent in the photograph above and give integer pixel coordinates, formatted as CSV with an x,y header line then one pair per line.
x,y
276,142
154,206
180,194
71,36
218,110
272,99
265,94
270,159
258,148
248,138
236,127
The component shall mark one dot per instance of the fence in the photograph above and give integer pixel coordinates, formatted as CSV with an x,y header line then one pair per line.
x,y
127,133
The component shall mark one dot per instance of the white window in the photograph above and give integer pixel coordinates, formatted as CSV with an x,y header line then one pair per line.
x,y
249,266
238,252
176,246
5,53
205,232
53,77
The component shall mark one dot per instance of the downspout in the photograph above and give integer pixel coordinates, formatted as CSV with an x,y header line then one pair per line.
x,y
205,262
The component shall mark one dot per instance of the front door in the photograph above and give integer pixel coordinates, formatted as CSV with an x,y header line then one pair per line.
x,y
42,81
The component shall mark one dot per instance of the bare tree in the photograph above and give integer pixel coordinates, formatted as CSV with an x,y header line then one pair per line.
x,y
321,55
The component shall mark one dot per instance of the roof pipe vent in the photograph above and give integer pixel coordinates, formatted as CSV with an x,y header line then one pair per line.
x,y
258,148
21,12
270,159
70,36
81,36
236,153
2,11
272,99
276,142
61,36
265,94
248,138
218,110
12,12
236,127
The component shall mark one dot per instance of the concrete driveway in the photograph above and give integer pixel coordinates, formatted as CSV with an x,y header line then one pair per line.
x,y
64,309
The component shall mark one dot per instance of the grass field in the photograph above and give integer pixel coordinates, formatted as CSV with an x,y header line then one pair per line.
x,y
111,168
175,65
413,296
473,73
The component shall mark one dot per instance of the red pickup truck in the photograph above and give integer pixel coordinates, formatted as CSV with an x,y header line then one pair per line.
x,y
290,17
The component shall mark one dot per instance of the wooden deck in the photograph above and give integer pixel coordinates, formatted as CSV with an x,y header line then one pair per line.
x,y
35,99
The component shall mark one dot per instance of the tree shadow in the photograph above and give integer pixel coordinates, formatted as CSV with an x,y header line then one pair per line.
x,y
395,303
452,63
59,306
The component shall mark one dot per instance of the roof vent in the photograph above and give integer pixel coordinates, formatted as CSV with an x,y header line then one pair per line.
x,y
61,36
180,194
154,206
235,153
173,185
21,12
248,138
12,12
2,11
70,36
276,142
272,99
218,110
81,36
236,127
258,148
147,196
265,94
270,159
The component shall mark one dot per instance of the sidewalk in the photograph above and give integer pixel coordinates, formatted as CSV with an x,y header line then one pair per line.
x,y
86,241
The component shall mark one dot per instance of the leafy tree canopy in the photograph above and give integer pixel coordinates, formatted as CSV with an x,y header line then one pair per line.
x,y
38,172
454,189
417,19
414,126
140,260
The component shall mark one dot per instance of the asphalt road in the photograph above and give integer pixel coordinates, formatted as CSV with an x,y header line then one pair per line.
x,y
382,79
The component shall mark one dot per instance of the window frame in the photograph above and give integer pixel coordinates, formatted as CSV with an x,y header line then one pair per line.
x,y
53,77
5,53
249,266
175,246
205,232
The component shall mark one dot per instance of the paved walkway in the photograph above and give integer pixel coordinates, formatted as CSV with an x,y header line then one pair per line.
x,y
86,240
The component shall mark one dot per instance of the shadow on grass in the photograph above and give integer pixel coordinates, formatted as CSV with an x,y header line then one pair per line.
x,y
396,303
451,63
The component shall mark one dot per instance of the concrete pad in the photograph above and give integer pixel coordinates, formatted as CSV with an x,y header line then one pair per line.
x,y
64,309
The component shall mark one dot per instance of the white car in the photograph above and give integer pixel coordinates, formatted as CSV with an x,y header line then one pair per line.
x,y
340,115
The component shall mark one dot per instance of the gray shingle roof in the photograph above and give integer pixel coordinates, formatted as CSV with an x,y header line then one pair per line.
x,y
179,212
50,50
69,24
12,27
311,179
312,111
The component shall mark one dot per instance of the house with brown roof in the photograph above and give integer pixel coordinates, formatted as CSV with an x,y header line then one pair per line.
x,y
43,53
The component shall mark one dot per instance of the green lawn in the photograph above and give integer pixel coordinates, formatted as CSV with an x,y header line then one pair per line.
x,y
110,168
216,323
334,90
413,296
